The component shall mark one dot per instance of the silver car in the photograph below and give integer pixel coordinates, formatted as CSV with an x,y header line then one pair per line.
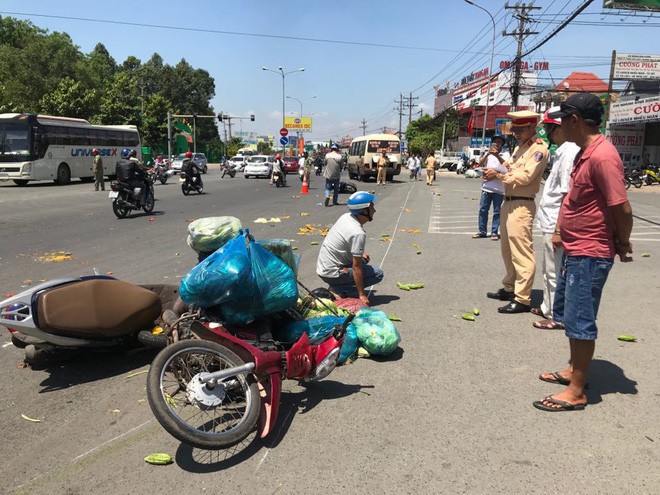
x,y
198,158
259,166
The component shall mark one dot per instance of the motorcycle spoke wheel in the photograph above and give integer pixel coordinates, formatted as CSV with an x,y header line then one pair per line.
x,y
206,418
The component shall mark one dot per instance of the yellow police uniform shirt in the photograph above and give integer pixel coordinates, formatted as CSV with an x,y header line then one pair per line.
x,y
526,166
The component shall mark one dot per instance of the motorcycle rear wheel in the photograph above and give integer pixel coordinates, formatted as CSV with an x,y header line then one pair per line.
x,y
185,189
203,426
120,210
163,179
638,183
149,205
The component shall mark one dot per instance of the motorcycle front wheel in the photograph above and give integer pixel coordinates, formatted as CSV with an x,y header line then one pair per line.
x,y
119,207
199,415
149,205
185,189
163,179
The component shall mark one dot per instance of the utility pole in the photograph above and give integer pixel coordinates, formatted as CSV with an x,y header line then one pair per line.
x,y
521,14
411,105
364,127
400,102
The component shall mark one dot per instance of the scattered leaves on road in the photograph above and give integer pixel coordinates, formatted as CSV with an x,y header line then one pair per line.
x,y
55,257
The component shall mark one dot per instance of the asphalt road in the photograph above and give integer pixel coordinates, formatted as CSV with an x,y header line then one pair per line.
x,y
450,412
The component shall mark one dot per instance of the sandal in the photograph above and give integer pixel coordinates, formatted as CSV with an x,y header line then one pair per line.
x,y
556,378
537,311
495,237
563,405
548,325
476,236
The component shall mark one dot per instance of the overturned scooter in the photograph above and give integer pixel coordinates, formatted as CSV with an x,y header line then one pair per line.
x,y
63,316
210,391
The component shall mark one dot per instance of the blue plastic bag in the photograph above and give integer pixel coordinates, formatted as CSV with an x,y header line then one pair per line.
x,y
376,333
318,329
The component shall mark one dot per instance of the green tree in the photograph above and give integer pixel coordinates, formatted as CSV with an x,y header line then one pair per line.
x,y
154,123
101,66
71,99
233,145
121,102
263,148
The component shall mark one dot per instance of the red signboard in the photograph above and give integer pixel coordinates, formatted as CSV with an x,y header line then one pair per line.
x,y
284,132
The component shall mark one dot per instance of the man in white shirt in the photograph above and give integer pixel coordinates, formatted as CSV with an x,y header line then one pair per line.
x,y
556,187
492,191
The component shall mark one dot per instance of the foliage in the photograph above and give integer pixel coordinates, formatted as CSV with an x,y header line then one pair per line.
x,y
424,135
264,148
42,72
233,145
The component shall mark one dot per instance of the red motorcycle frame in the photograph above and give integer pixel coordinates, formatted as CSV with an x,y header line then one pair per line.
x,y
250,371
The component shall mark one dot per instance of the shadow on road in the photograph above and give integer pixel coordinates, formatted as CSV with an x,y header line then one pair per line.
x,y
208,461
382,299
85,366
607,378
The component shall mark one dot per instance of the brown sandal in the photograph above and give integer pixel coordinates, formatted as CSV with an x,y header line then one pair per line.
x,y
537,311
548,325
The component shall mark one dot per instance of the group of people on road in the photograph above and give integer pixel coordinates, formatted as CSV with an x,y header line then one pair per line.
x,y
586,221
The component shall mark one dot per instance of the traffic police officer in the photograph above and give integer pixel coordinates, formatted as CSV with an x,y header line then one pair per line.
x,y
521,183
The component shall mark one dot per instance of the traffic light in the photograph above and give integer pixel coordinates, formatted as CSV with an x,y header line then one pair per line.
x,y
252,117
220,117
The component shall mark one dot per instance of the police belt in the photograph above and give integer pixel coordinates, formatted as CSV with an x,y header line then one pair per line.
x,y
517,198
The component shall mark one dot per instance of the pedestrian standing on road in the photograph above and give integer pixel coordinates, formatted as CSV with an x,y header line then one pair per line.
x,y
332,173
411,165
382,168
306,167
418,167
430,169
97,168
342,262
595,222
492,191
555,189
521,184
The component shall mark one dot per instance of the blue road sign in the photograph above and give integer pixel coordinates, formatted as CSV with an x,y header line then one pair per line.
x,y
284,140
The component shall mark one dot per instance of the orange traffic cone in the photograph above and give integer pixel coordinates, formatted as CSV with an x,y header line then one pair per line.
x,y
305,186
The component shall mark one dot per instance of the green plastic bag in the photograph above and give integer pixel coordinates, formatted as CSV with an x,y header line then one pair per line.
x,y
205,235
376,333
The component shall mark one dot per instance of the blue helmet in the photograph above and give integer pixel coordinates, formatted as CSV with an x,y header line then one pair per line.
x,y
125,153
360,200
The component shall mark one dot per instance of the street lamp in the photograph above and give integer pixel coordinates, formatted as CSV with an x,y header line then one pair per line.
x,y
490,72
281,72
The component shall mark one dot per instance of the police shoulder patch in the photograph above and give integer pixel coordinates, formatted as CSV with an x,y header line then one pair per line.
x,y
538,156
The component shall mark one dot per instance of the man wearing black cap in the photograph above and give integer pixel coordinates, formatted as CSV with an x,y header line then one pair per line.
x,y
595,221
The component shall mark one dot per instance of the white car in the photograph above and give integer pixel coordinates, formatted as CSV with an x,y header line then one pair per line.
x,y
258,166
198,158
238,162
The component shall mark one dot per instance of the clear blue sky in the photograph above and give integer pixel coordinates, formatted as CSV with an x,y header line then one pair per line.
x,y
436,41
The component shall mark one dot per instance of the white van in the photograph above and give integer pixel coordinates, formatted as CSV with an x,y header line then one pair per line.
x,y
364,152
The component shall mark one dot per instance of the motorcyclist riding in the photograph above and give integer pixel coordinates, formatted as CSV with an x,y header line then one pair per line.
x,y
190,168
130,172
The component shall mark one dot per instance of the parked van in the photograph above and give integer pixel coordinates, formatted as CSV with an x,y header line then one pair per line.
x,y
364,152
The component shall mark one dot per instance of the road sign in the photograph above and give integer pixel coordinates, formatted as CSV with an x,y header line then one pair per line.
x,y
284,140
284,132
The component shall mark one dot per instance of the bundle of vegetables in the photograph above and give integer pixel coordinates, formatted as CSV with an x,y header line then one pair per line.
x,y
205,235
283,250
310,307
376,333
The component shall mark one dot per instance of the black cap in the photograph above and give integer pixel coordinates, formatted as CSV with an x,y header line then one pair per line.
x,y
585,105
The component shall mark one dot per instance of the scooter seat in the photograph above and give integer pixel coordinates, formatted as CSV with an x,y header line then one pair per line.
x,y
97,309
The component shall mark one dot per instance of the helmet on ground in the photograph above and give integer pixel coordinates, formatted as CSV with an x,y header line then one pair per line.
x,y
95,151
360,200
278,156
548,120
188,154
125,153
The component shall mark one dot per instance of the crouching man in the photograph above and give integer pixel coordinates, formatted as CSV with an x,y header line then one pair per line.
x,y
342,262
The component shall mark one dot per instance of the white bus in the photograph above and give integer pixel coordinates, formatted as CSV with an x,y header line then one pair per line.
x,y
364,152
42,147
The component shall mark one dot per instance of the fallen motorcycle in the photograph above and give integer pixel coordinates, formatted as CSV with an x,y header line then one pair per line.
x,y
191,182
125,198
161,173
68,315
228,169
210,391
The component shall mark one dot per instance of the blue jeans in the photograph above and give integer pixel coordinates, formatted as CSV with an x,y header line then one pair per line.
x,y
332,185
344,285
580,285
484,205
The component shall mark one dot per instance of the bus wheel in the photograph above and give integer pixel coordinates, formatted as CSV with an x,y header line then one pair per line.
x,y
63,174
21,182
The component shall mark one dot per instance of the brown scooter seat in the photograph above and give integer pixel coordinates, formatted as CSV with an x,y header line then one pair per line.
x,y
97,308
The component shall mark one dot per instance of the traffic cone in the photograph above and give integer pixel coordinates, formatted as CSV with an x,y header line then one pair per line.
x,y
305,186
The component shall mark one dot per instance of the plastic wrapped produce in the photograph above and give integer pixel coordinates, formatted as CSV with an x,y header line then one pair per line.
x,y
205,235
376,333
283,250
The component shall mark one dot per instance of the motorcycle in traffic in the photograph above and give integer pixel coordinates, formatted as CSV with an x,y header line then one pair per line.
x,y
210,391
278,179
228,168
161,172
126,198
191,182
97,313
